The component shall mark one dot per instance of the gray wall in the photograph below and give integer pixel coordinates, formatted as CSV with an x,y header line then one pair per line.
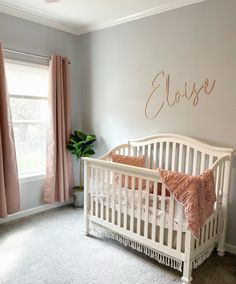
x,y
26,36
112,71
191,44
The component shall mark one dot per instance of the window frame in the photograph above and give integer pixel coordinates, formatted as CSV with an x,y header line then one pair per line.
x,y
40,175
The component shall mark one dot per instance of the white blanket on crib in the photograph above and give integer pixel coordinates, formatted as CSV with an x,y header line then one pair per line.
x,y
105,192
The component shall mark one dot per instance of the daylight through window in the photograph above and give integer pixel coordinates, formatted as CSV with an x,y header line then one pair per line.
x,y
28,90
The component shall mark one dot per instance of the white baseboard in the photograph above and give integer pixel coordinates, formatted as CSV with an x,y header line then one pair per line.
x,y
230,248
33,211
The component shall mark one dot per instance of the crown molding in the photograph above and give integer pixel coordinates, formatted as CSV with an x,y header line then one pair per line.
x,y
61,25
36,18
146,13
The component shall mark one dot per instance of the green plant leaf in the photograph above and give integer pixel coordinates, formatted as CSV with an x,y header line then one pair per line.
x,y
80,135
72,140
70,147
86,155
87,149
80,144
90,137
90,142
89,153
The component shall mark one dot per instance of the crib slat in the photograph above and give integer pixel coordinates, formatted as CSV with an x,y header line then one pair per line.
x,y
149,157
108,196
146,208
173,156
199,240
170,221
102,195
180,157
208,230
202,162
179,231
167,155
154,165
154,212
162,218
194,170
187,160
129,150
132,205
161,155
143,150
113,197
212,225
119,200
133,149
93,191
139,213
220,182
126,202
97,191
217,180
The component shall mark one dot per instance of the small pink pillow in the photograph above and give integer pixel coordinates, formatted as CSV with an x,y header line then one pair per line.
x,y
136,161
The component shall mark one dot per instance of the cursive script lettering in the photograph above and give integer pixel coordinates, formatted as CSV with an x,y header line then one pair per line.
x,y
163,97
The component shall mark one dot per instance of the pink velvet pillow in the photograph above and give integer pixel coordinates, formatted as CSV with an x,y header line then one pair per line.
x,y
136,161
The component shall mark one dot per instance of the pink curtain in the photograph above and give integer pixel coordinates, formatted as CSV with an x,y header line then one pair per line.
x,y
9,184
58,185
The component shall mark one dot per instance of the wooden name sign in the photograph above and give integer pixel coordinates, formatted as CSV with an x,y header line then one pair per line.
x,y
190,92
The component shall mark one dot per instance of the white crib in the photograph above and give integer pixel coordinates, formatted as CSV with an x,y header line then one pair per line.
x,y
154,223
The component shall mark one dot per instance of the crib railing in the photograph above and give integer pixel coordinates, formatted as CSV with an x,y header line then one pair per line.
x,y
127,198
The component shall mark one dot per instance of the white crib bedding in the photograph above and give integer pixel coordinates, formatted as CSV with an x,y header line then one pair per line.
x,y
104,193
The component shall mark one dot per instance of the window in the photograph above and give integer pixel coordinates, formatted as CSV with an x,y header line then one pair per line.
x,y
28,91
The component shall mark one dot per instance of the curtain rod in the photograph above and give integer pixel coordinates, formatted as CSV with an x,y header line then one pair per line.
x,y
29,54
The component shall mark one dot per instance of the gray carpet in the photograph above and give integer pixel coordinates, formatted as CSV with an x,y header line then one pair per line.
x,y
51,248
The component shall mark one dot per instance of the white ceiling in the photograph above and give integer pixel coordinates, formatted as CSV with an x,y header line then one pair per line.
x,y
81,16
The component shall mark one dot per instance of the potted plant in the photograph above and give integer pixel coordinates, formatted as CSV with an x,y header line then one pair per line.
x,y
80,145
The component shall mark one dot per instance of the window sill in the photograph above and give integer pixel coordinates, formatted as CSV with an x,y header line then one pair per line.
x,y
31,177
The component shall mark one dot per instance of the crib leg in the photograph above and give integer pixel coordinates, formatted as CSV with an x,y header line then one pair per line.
x,y
86,219
221,243
187,274
87,227
221,247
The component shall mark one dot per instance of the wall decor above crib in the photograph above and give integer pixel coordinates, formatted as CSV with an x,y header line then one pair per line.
x,y
190,92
